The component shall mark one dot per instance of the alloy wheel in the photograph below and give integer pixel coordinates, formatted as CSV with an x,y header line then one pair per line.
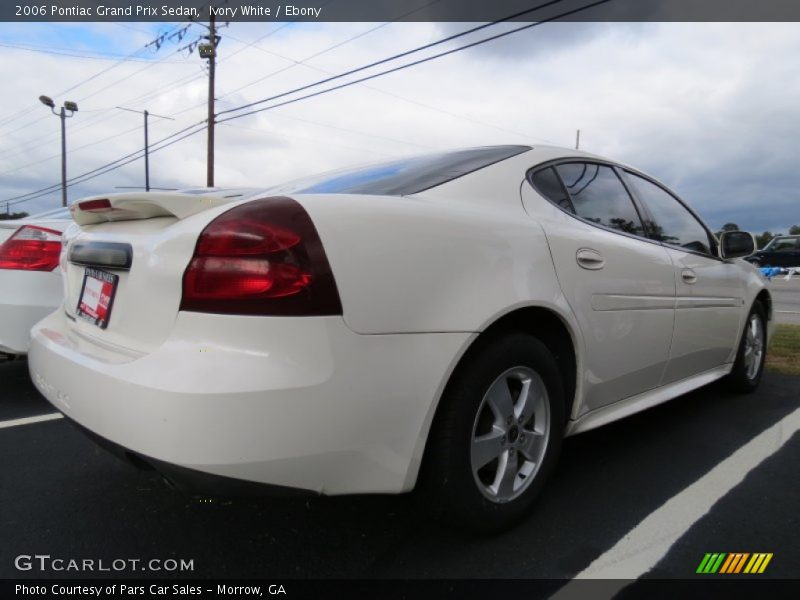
x,y
510,434
753,346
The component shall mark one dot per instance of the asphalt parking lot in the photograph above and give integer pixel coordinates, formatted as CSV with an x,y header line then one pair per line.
x,y
645,497
786,297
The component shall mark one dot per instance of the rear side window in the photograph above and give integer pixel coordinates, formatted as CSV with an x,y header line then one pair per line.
x,y
548,184
598,196
672,223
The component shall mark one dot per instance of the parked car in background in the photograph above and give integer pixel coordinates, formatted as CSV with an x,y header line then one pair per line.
x,y
436,323
30,276
782,251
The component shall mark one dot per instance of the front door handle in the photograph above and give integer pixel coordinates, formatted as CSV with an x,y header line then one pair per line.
x,y
689,276
590,259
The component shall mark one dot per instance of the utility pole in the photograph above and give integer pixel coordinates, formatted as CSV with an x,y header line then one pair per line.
x,y
72,108
146,154
209,51
578,140
63,116
146,141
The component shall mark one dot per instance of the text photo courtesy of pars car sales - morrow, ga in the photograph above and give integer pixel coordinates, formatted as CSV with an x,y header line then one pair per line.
x,y
429,298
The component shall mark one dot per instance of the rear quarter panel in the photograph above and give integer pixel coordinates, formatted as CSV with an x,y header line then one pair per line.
x,y
418,264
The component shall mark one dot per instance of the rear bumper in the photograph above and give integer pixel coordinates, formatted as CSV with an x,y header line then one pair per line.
x,y
302,403
26,297
188,480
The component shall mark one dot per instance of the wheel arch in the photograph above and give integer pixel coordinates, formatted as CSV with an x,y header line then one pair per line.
x,y
553,331
765,298
547,325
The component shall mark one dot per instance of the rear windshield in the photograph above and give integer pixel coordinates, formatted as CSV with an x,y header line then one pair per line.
x,y
402,177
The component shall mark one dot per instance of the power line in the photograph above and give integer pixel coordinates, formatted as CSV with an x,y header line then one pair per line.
x,y
325,51
401,67
114,57
191,78
20,114
72,151
107,170
86,177
138,99
178,30
301,62
74,180
380,91
91,121
131,157
395,56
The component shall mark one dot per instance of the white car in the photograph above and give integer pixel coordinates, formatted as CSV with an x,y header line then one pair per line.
x,y
438,323
30,278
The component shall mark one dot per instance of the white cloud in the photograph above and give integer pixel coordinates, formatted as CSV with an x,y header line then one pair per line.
x,y
708,108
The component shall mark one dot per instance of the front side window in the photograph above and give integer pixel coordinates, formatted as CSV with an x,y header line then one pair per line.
x,y
598,196
672,223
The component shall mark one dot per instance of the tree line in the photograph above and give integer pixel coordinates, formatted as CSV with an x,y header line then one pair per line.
x,y
14,215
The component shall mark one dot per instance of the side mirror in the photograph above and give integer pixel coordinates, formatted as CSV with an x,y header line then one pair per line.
x,y
736,244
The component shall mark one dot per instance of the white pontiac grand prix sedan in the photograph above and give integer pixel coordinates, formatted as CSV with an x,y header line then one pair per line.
x,y
30,278
437,323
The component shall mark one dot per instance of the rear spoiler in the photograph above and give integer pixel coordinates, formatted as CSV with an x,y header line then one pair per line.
x,y
136,206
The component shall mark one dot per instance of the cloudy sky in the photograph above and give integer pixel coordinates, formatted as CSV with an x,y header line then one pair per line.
x,y
711,109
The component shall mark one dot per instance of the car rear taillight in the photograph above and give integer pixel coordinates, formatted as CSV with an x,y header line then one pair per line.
x,y
261,258
31,248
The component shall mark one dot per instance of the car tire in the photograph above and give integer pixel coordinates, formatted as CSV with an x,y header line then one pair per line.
x,y
749,365
508,392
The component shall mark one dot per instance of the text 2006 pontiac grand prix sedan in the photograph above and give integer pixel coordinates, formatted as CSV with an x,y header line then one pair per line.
x,y
437,323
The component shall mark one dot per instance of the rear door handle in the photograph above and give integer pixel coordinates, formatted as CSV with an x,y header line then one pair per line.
x,y
590,259
689,276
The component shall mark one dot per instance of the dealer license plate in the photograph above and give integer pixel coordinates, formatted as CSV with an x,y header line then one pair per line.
x,y
97,296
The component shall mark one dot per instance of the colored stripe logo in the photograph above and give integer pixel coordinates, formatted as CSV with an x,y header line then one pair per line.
x,y
734,563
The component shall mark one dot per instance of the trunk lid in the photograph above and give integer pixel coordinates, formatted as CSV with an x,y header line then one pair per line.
x,y
140,244
137,206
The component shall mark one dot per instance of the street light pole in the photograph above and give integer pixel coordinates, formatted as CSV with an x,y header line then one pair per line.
x,y
72,108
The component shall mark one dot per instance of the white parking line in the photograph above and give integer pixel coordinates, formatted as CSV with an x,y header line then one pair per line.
x,y
647,543
788,312
30,420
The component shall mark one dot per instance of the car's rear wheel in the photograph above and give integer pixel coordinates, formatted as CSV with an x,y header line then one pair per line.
x,y
496,435
749,365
